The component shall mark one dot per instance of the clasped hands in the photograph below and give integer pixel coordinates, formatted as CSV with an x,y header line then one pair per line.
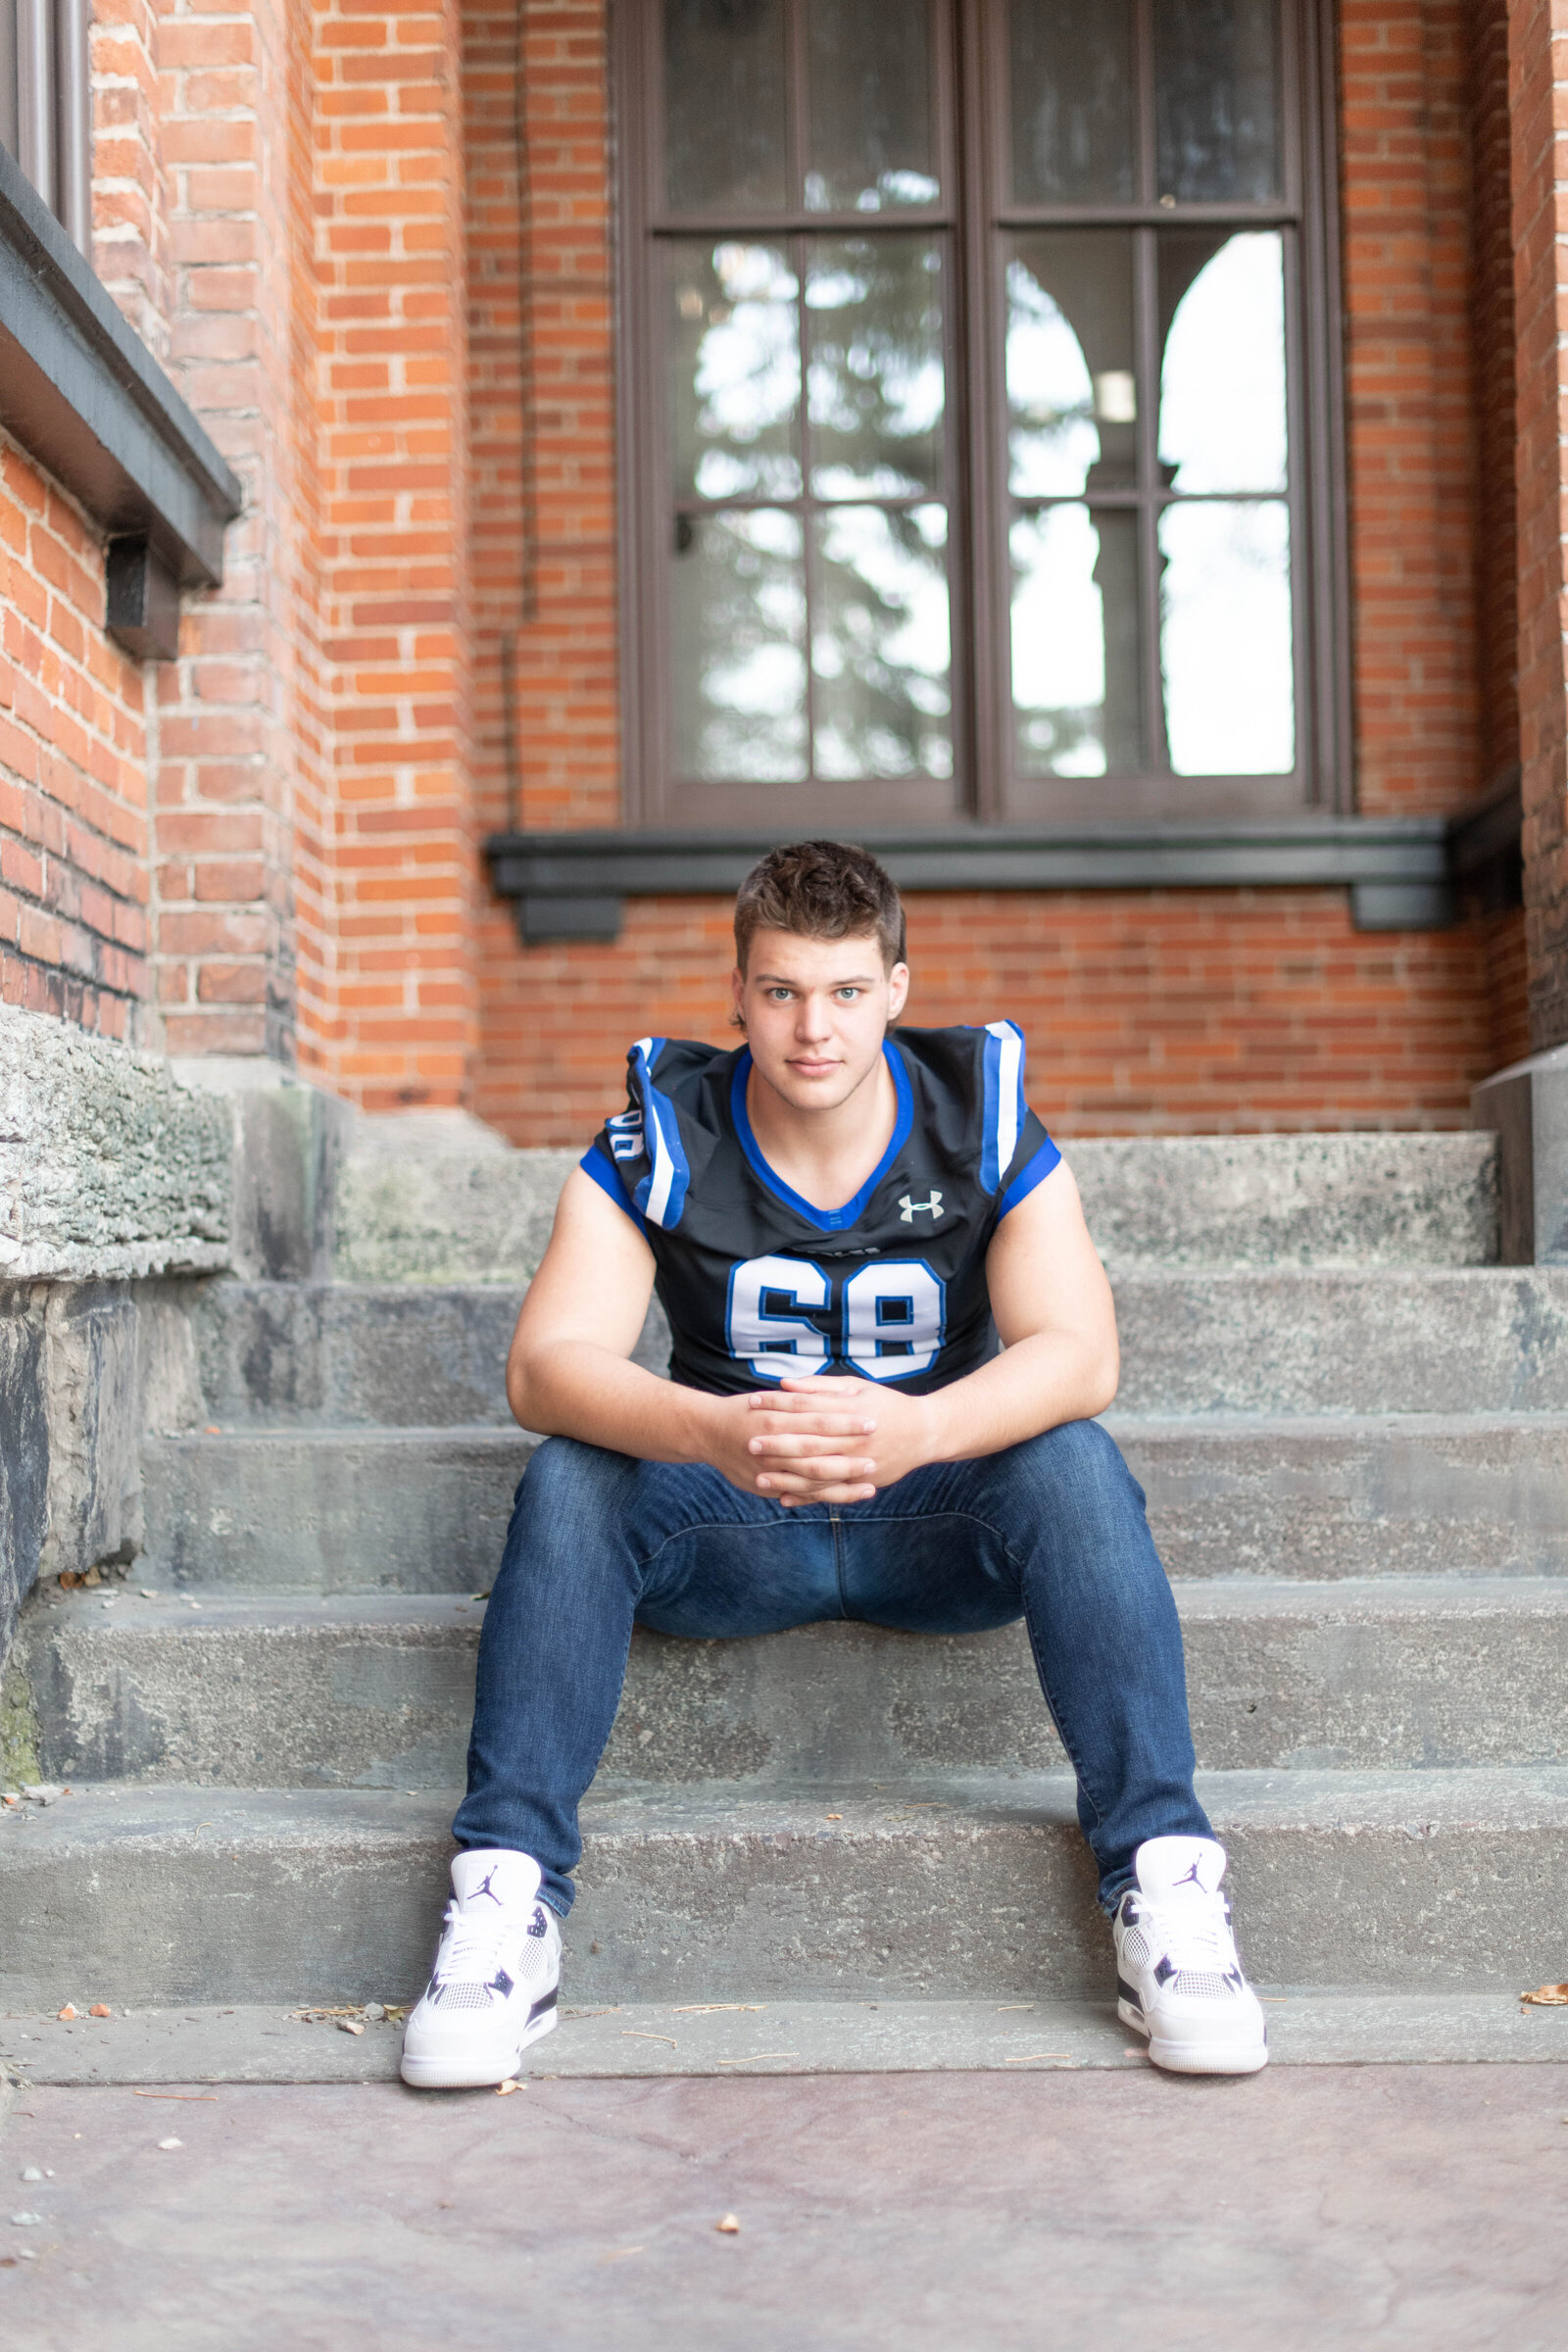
x,y
823,1441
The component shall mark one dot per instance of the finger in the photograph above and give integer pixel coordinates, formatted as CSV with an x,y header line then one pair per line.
x,y
825,1470
828,1494
802,1443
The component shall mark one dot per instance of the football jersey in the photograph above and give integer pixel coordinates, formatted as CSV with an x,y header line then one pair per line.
x,y
760,1286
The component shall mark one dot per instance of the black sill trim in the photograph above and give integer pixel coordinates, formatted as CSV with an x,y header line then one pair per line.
x,y
1403,873
80,394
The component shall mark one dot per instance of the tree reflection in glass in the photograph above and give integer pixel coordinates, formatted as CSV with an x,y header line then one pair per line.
x,y
1075,688
875,381
734,370
738,615
880,652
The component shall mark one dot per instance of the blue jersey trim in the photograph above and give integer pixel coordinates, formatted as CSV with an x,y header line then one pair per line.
x,y
826,1220
1034,1172
606,1175
661,1193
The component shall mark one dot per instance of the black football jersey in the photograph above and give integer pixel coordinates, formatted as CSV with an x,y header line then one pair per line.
x,y
757,1284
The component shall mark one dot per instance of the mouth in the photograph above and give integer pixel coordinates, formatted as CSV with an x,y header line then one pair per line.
x,y
808,1067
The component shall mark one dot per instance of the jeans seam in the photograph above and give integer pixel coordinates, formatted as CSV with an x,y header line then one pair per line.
x,y
702,1527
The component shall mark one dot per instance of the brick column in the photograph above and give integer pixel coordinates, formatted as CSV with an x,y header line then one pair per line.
x,y
1537,62
395,624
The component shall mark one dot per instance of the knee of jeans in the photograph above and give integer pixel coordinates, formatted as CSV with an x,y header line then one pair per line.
x,y
565,1476
1080,1451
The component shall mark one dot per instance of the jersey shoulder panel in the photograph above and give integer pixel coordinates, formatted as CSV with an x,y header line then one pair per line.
x,y
974,1083
670,1126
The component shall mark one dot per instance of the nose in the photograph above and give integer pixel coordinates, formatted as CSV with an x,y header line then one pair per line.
x,y
813,1023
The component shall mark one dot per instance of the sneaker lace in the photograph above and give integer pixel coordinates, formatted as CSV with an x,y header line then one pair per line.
x,y
1194,1932
471,1947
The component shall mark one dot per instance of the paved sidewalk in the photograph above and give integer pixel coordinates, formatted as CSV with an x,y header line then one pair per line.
x,y
1309,2207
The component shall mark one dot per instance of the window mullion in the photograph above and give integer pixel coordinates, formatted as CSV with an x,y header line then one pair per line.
x,y
1146,333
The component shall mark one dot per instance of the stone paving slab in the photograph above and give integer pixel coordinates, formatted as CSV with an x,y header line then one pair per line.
x,y
635,2040
1420,2209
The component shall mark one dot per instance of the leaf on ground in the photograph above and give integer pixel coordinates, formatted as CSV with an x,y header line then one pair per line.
x,y
503,2089
729,2227
100,2009
68,2013
1547,1996
349,2024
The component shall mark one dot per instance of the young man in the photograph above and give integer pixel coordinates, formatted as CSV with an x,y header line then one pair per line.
x,y
841,1221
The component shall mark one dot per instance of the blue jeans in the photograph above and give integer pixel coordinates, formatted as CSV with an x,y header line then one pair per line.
x,y
1051,1531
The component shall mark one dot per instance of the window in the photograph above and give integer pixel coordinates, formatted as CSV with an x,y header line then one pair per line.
x,y
46,105
979,461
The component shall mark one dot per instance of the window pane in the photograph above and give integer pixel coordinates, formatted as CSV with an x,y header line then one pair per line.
x,y
1072,101
724,143
875,388
870,107
1225,639
1216,99
1072,401
738,693
1075,676
734,370
1222,385
880,643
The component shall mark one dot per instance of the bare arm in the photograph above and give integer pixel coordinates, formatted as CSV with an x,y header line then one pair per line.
x,y
568,1373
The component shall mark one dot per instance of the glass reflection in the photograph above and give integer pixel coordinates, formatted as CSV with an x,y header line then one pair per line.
x,y
1071,92
870,108
1075,687
1072,398
738,629
1216,99
1222,383
874,366
1225,639
880,652
724,146
734,370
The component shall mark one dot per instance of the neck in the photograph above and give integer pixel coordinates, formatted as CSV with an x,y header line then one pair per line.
x,y
825,1155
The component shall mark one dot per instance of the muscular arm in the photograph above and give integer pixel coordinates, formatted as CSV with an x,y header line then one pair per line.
x,y
568,1373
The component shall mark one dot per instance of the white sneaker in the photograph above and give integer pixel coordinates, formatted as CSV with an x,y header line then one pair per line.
x,y
493,1989
1178,1978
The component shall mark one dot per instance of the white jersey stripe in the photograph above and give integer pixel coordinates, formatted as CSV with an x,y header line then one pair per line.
x,y
1007,1083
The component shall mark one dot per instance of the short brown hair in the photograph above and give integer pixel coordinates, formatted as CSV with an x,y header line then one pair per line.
x,y
820,890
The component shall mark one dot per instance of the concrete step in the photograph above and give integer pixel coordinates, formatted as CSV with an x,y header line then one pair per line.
x,y
1400,1340
641,2038
1386,1673
339,1511
946,1887
422,1202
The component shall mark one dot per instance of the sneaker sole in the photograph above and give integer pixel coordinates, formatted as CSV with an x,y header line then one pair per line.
x,y
476,2072
1197,2058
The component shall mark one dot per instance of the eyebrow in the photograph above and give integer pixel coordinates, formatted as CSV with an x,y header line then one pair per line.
x,y
783,980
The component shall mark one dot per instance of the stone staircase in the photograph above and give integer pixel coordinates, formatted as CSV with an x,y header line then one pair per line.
x,y
1353,1432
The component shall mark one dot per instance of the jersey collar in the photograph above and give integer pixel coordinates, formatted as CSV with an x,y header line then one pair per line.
x,y
826,1220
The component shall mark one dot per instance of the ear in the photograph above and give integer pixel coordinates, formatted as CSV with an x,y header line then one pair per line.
x,y
737,992
898,990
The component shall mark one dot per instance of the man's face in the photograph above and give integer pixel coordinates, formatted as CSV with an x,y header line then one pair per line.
x,y
816,1011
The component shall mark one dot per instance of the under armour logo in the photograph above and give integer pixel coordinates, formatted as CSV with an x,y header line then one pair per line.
x,y
909,1209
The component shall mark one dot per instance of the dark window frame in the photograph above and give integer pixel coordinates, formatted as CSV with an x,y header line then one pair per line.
x,y
46,105
968,67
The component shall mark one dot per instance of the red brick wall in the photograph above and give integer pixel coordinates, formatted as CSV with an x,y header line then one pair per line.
x,y
72,773
1180,1012
1537,60
395,622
